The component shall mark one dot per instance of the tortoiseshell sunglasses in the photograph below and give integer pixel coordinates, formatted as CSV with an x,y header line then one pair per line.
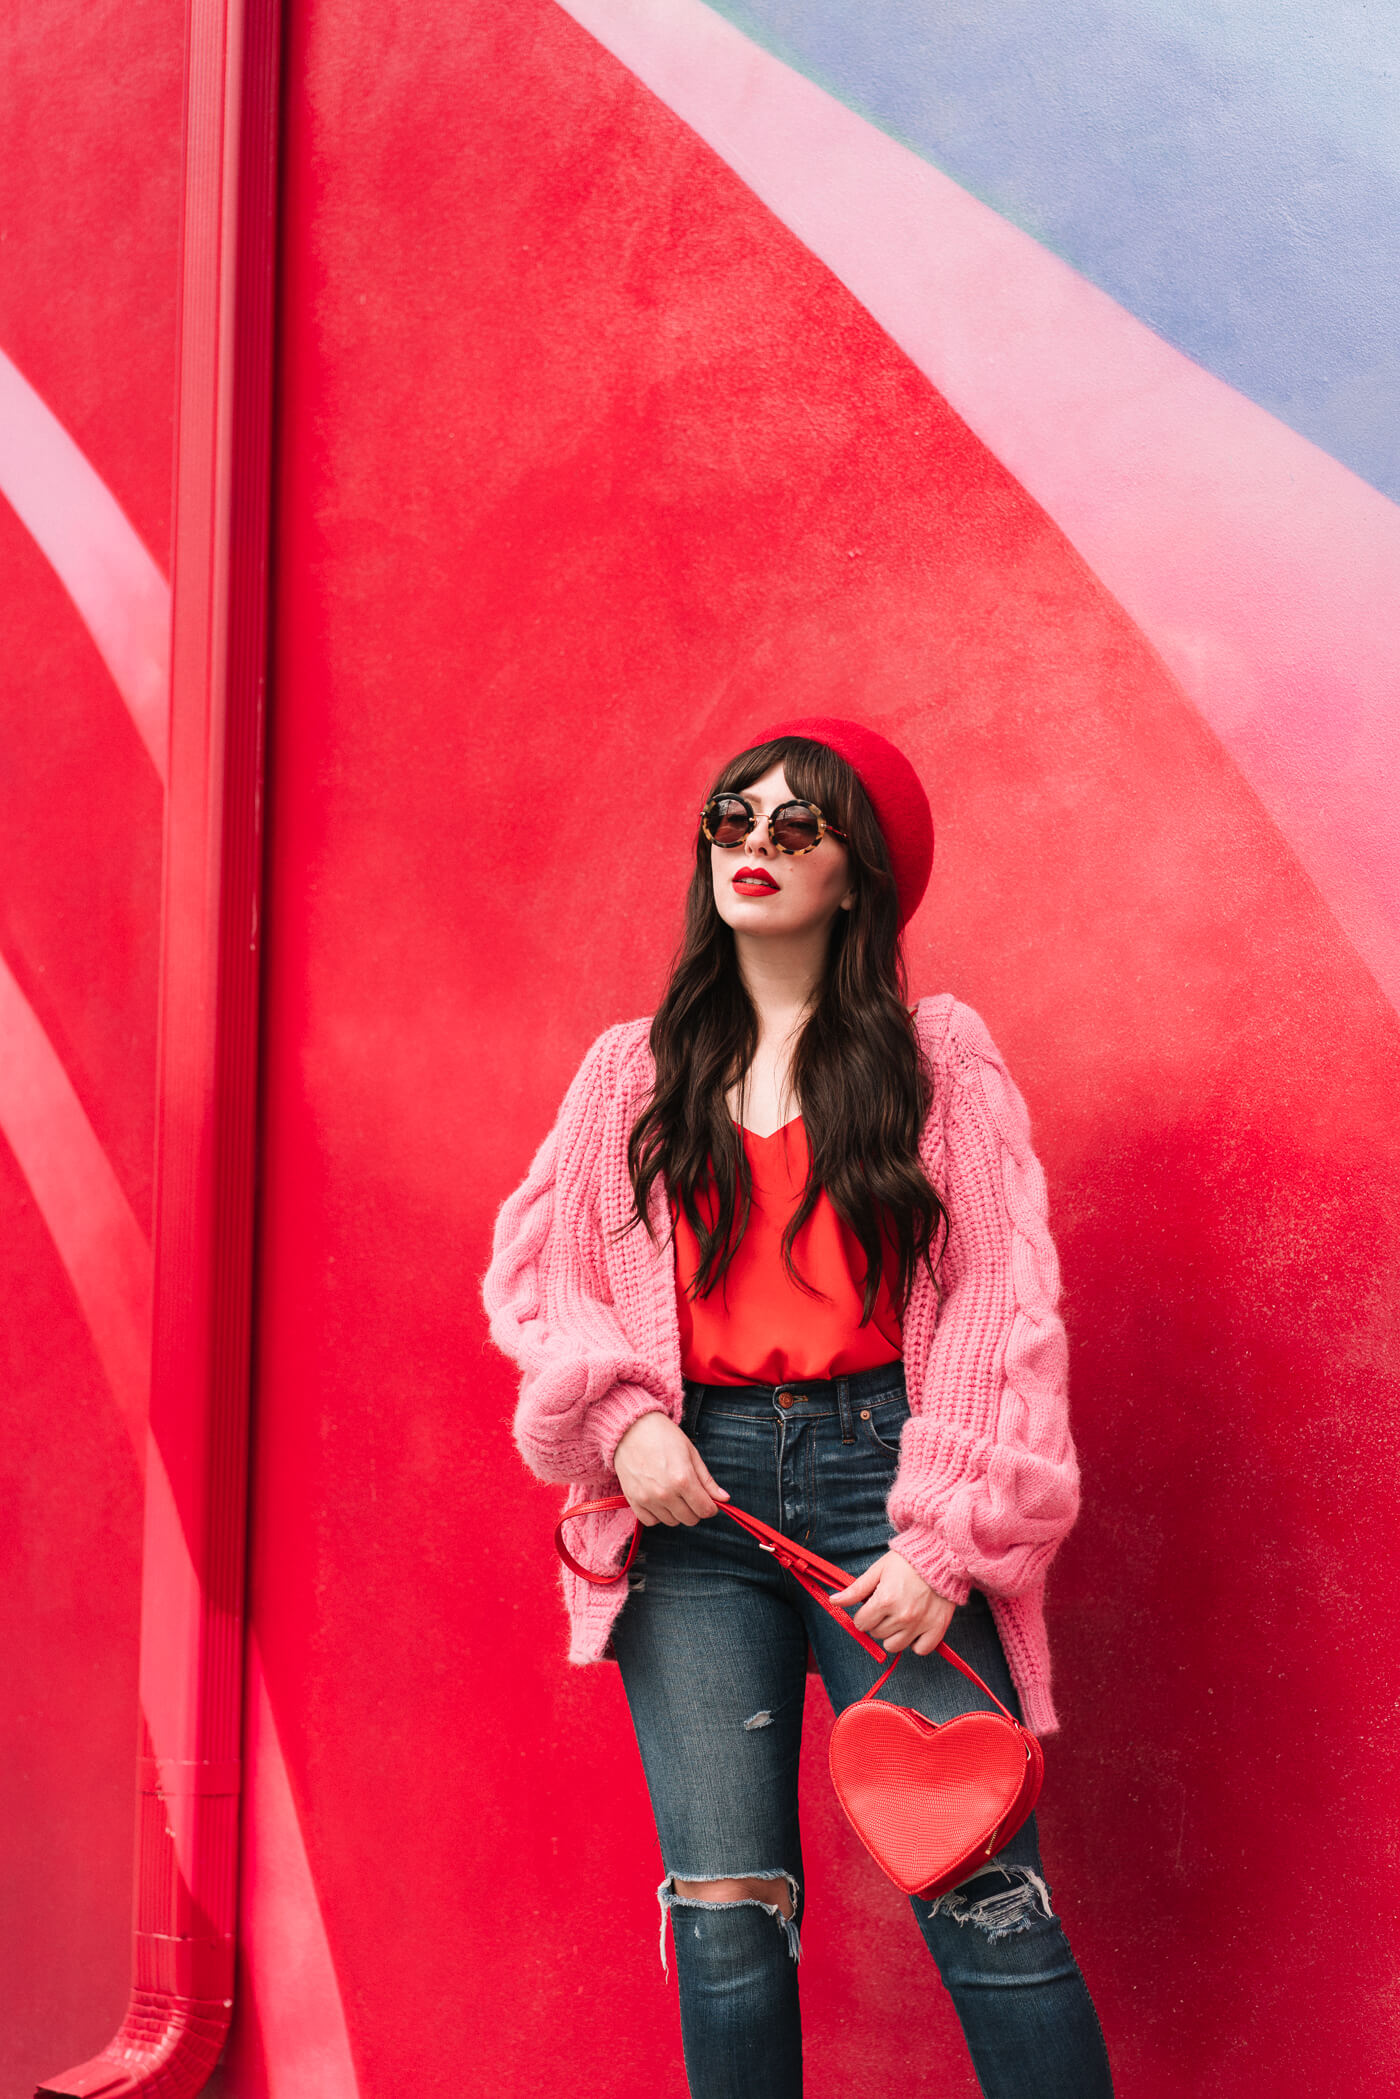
x,y
794,827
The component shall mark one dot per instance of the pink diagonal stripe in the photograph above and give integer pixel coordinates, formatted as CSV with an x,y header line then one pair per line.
x,y
108,1262
305,2045
80,1199
95,551
124,601
1266,575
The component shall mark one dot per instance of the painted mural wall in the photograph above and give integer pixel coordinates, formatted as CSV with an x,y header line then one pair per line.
x,y
89,217
1020,382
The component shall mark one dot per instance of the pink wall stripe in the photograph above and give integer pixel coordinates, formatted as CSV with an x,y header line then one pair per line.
x,y
98,1238
108,1261
122,598
125,603
1266,575
305,2046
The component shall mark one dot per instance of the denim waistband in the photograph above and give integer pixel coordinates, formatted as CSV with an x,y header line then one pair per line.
x,y
823,1393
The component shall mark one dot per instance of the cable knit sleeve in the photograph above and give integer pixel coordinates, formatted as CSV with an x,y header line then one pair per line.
x,y
582,1383
988,1482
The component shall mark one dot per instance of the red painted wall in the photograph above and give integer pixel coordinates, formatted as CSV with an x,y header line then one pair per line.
x,y
585,464
89,203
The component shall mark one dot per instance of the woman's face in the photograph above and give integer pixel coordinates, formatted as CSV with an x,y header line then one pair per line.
x,y
765,894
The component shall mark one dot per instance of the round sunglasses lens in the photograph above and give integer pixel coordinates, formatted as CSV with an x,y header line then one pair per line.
x,y
726,820
796,830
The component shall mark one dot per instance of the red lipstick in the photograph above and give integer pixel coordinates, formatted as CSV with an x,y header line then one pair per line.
x,y
754,881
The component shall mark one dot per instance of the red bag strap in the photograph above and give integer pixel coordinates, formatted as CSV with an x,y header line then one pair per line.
x,y
814,1573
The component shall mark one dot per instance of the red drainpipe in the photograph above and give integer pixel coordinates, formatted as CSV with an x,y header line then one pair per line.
x,y
196,1485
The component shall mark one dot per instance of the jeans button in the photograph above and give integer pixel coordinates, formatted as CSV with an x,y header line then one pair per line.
x,y
784,1399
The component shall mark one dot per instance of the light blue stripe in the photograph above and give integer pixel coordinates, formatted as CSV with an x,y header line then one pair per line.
x,y
1229,172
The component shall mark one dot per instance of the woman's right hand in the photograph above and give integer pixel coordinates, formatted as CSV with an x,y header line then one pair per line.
x,y
663,1475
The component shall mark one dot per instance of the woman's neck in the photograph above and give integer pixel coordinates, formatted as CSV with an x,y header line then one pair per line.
x,y
782,979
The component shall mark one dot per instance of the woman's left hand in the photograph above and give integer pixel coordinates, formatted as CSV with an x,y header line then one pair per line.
x,y
897,1606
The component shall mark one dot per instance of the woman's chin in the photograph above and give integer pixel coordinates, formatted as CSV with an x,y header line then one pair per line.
x,y
766,918
755,925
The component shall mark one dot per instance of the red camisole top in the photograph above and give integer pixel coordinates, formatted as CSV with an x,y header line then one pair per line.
x,y
758,1327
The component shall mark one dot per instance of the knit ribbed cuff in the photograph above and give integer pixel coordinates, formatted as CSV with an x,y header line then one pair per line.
x,y
610,1418
929,1556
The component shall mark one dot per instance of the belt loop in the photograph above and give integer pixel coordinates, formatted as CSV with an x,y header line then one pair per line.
x,y
843,1408
692,1399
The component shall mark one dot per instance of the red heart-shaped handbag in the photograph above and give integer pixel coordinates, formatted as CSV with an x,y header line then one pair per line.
x,y
930,1800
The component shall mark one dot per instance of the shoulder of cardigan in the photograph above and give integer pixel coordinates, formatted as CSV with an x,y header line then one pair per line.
x,y
933,1022
612,1056
627,1060
956,1039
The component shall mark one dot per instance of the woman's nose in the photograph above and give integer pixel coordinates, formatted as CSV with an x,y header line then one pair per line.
x,y
760,838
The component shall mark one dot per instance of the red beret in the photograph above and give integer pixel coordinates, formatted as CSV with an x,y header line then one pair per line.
x,y
896,795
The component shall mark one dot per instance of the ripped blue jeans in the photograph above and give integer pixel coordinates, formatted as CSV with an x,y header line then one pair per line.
x,y
713,1643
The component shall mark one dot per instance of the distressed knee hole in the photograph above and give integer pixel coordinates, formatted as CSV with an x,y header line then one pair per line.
x,y
998,1901
775,1893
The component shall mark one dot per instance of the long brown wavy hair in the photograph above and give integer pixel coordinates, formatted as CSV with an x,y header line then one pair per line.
x,y
862,1083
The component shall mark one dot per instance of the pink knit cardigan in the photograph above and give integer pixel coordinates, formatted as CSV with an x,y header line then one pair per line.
x,y
988,1483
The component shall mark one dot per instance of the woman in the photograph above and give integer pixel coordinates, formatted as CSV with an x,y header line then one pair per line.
x,y
786,1244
